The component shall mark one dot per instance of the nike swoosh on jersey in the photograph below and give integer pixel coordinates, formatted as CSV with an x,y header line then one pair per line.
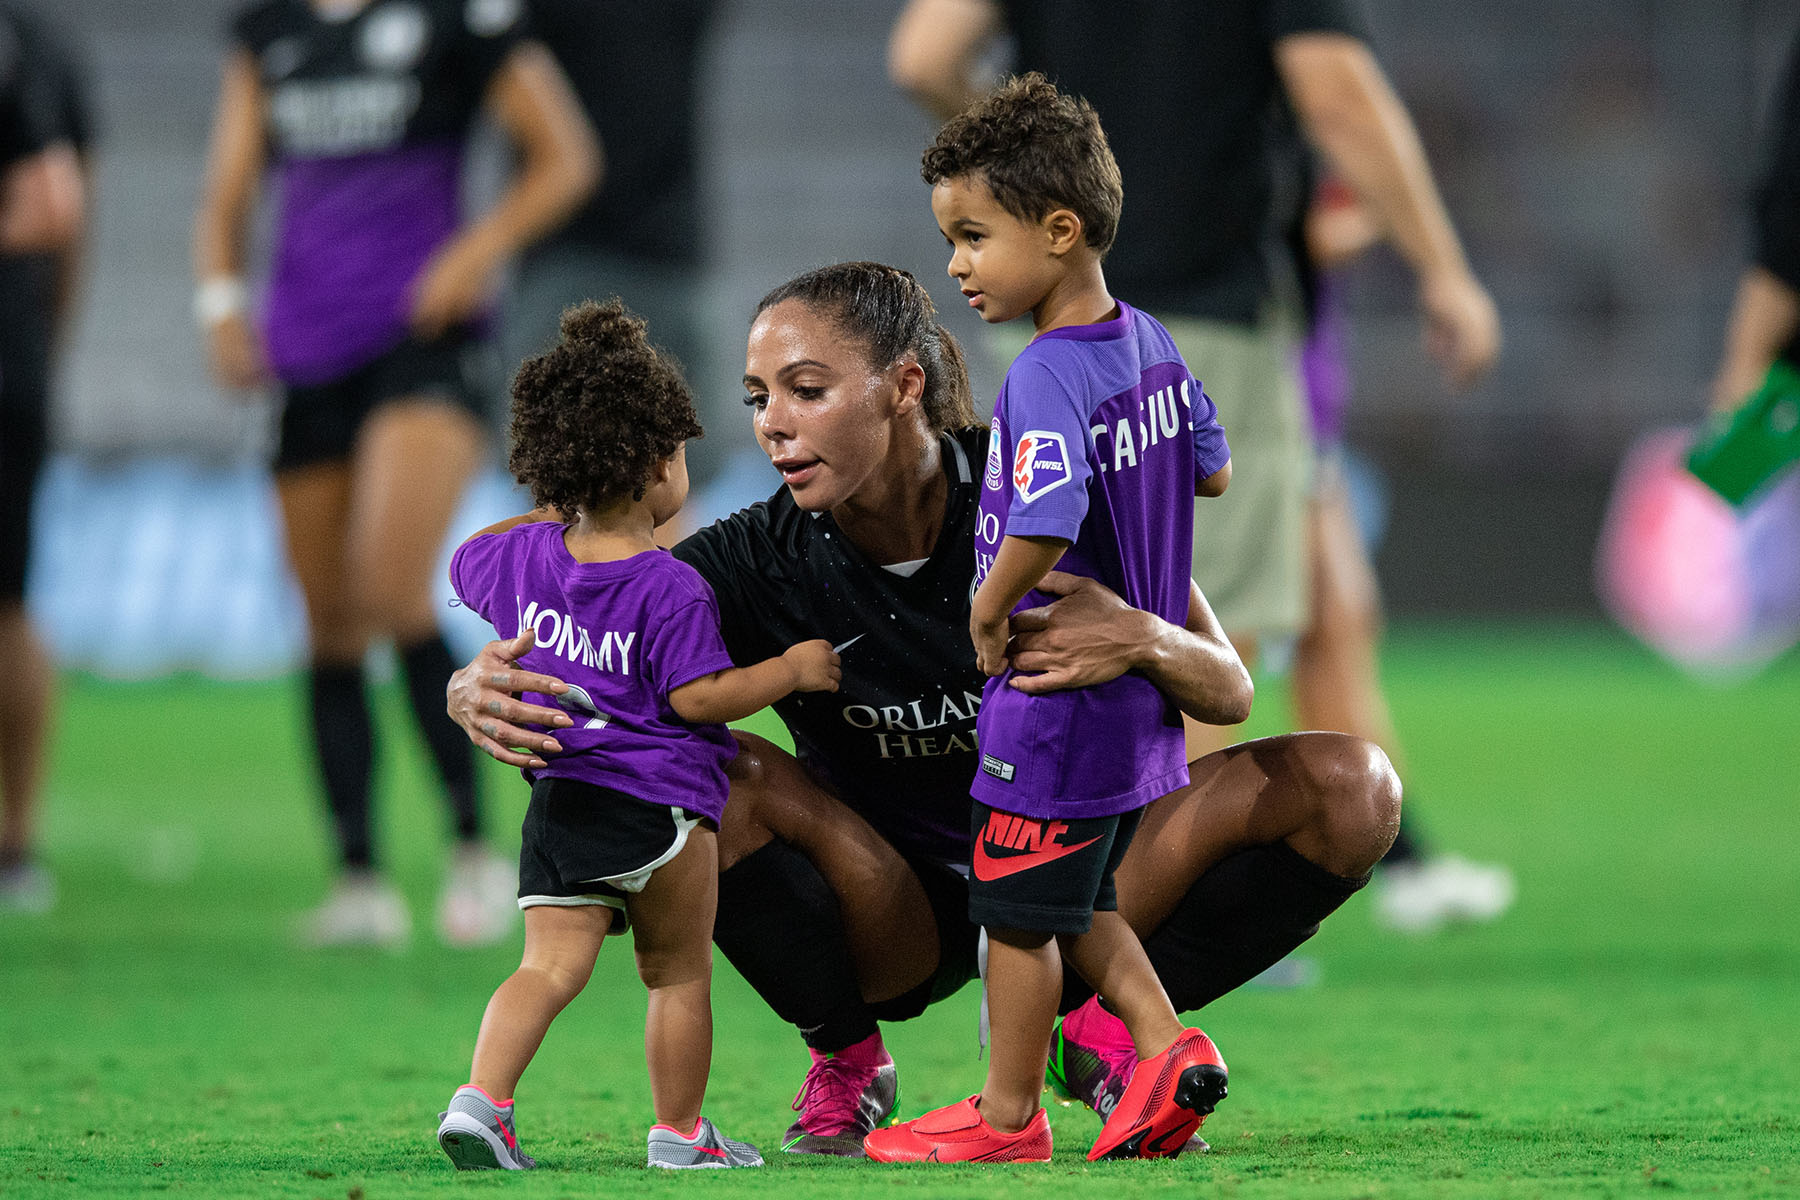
x,y
989,868
839,648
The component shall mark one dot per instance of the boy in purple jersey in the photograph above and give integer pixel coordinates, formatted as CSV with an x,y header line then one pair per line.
x,y
1101,439
620,832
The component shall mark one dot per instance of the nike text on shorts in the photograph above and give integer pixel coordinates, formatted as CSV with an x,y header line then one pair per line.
x,y
1044,874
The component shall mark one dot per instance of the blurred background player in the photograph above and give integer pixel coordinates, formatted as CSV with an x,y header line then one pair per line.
x,y
1765,318
376,298
622,827
634,68
1209,108
1335,676
45,137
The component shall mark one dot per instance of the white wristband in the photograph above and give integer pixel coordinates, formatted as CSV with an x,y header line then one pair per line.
x,y
217,299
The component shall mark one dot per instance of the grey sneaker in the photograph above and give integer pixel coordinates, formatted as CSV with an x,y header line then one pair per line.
x,y
27,888
478,1134
707,1148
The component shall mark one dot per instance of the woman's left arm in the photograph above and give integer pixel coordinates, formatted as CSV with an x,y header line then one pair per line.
x,y
559,168
1090,635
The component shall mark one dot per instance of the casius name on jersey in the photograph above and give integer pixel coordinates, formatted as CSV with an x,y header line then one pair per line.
x,y
558,633
358,115
919,729
1159,421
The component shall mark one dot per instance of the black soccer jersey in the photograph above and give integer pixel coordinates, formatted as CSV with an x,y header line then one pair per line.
x,y
390,73
897,741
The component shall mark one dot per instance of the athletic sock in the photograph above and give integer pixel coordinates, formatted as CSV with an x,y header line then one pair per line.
x,y
427,666
344,744
1243,915
778,924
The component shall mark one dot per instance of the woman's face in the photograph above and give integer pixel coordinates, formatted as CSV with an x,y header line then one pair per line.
x,y
823,413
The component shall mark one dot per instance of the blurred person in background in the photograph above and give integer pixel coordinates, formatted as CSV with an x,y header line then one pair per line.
x,y
1765,318
1208,108
1335,676
375,305
45,136
634,68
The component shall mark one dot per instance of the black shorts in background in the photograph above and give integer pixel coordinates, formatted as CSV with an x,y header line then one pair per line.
x,y
1047,876
320,422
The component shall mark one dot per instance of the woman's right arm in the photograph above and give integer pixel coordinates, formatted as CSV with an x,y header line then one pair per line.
x,y
483,698
228,195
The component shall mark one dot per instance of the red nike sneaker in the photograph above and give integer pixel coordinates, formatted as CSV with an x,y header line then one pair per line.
x,y
959,1134
1167,1099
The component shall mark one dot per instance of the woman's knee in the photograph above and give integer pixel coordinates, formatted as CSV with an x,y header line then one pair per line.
x,y
1355,809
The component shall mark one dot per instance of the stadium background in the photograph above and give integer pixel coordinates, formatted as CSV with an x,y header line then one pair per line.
x,y
1624,1029
1594,154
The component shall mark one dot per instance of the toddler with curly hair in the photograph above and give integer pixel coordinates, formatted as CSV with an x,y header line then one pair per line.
x,y
621,828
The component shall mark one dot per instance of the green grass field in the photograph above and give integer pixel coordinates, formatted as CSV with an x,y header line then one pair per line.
x,y
1629,1028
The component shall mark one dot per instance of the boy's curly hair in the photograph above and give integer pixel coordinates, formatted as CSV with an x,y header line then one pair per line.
x,y
592,416
1039,150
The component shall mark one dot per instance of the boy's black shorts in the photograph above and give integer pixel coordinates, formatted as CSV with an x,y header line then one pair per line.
x,y
320,422
1045,876
585,844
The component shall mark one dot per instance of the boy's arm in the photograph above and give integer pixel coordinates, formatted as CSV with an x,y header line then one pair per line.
x,y
733,694
1018,567
1216,483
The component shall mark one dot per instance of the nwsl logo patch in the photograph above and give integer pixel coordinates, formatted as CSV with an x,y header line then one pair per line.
x,y
1040,464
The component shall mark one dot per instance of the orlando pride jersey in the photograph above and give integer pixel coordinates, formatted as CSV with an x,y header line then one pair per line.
x,y
896,742
367,115
1099,436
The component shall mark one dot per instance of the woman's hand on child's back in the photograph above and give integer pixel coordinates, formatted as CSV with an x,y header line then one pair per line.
x,y
816,665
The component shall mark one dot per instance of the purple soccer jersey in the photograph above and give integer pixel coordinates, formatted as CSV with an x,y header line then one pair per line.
x,y
354,237
1099,436
366,115
622,635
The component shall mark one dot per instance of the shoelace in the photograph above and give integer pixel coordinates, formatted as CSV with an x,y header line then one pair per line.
x,y
831,1093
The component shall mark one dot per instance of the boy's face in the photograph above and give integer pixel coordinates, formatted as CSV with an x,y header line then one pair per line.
x,y
1003,262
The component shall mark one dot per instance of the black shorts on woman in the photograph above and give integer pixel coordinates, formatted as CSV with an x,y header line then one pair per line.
x,y
320,422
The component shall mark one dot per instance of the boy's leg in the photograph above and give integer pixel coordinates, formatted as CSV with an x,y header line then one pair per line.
x,y
1024,983
561,944
1112,960
672,921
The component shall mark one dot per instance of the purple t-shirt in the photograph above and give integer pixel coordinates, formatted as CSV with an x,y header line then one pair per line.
x,y
1106,433
622,635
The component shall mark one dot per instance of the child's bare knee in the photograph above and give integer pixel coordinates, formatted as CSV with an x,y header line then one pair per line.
x,y
661,970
